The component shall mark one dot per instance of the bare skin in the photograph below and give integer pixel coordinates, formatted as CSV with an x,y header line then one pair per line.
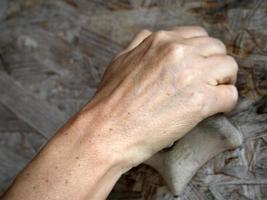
x,y
152,94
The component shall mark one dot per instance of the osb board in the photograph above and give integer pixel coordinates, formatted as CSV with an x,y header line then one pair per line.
x,y
52,56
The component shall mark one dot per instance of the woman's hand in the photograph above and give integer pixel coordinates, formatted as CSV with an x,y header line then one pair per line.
x,y
152,93
159,88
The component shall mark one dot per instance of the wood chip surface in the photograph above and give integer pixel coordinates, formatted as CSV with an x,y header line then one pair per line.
x,y
54,52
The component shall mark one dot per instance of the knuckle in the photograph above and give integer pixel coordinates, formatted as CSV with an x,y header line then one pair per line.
x,y
219,43
174,48
233,93
233,63
189,76
145,32
159,35
199,29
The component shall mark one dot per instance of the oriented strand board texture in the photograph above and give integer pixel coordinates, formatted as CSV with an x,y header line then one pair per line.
x,y
52,56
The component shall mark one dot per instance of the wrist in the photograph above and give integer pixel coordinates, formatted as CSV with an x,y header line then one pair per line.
x,y
98,135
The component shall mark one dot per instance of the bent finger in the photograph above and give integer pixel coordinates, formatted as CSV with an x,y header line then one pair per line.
x,y
190,31
223,99
221,69
206,46
137,39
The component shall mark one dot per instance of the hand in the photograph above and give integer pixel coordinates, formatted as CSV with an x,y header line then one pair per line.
x,y
159,88
152,93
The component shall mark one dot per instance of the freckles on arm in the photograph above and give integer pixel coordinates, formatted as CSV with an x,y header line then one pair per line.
x,y
73,165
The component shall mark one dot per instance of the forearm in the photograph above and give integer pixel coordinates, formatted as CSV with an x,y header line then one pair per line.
x,y
153,93
73,165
